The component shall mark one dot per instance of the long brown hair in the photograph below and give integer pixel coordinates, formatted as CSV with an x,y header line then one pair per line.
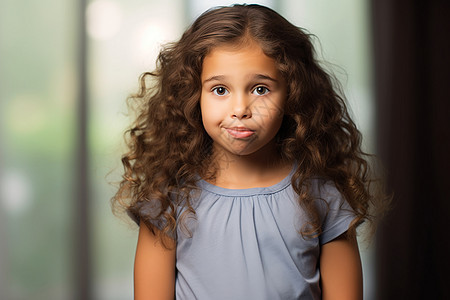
x,y
169,148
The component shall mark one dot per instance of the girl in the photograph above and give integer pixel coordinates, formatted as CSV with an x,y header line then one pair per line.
x,y
244,170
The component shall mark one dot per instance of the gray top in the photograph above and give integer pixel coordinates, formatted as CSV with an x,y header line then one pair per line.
x,y
245,243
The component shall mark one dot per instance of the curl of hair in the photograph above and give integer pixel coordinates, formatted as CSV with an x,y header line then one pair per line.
x,y
169,148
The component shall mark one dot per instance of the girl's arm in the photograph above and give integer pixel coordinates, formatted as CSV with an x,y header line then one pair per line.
x,y
340,269
154,267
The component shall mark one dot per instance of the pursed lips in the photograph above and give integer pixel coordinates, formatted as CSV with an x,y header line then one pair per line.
x,y
240,132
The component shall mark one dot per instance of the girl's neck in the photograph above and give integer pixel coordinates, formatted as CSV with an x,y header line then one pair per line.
x,y
260,169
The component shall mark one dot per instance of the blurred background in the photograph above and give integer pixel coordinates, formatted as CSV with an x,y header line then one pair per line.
x,y
66,69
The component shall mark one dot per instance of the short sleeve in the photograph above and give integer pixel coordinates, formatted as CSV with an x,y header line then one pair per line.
x,y
336,213
149,213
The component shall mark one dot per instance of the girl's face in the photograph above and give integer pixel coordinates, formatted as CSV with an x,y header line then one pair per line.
x,y
242,99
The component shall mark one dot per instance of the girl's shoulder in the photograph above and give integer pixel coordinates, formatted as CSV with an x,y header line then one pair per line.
x,y
323,187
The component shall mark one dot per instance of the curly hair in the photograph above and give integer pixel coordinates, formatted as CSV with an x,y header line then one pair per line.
x,y
169,148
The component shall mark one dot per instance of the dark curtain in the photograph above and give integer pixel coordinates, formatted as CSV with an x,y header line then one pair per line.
x,y
412,84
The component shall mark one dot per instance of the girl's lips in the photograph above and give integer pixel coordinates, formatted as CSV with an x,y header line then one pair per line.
x,y
240,132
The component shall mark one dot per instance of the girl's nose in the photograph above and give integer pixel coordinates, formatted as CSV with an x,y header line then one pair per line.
x,y
241,108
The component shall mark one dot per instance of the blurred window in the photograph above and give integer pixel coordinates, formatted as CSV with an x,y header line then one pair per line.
x,y
37,131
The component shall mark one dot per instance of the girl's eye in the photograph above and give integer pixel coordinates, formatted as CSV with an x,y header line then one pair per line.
x,y
220,91
260,90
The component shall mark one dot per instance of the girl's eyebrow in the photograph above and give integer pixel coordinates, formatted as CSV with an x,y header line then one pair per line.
x,y
264,77
255,76
214,78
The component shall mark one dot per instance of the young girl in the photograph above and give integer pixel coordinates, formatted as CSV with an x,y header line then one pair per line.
x,y
244,171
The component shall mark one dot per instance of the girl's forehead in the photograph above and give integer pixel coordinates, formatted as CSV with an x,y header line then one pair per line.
x,y
238,62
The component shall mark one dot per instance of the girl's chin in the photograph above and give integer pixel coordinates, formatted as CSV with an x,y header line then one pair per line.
x,y
244,151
